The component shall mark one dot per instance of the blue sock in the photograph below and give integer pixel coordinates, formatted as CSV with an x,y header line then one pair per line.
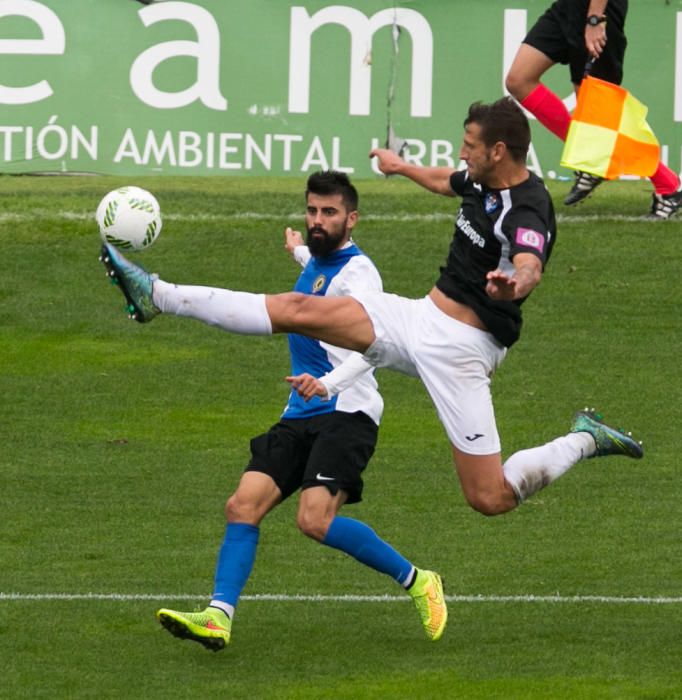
x,y
235,561
362,543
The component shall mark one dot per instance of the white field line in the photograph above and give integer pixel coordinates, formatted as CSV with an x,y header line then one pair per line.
x,y
46,214
281,597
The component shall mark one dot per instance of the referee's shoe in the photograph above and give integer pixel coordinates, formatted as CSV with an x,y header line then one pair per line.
x,y
135,283
427,593
582,188
663,206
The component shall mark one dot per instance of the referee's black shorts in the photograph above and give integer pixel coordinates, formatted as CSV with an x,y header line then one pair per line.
x,y
564,42
331,450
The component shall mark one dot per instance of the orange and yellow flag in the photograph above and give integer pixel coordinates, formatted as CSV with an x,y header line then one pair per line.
x,y
609,135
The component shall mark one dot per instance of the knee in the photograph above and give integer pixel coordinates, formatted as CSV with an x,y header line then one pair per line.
x,y
490,503
312,525
239,510
518,85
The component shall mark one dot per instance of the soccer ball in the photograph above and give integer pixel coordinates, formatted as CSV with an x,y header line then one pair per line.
x,y
129,217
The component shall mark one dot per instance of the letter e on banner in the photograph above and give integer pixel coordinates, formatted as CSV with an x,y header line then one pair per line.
x,y
52,42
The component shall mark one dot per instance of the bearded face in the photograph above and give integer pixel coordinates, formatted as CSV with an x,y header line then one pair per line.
x,y
328,223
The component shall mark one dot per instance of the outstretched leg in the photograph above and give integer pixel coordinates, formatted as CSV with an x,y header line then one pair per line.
x,y
341,321
492,488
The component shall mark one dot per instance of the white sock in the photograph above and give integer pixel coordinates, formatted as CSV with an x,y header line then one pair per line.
x,y
410,578
225,607
237,312
528,471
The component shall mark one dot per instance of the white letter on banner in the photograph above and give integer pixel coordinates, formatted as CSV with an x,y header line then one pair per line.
x,y
78,137
336,157
225,150
206,51
361,30
128,148
514,34
8,131
53,42
287,140
441,153
160,151
315,156
189,149
264,155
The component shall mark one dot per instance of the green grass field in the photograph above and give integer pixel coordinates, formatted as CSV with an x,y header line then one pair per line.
x,y
120,442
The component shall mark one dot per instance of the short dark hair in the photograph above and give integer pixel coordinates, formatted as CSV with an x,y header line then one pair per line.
x,y
502,121
326,182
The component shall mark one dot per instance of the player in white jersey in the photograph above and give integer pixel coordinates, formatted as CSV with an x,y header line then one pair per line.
x,y
318,446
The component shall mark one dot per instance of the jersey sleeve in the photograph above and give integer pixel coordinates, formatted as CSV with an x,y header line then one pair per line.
x,y
302,255
458,180
528,233
343,376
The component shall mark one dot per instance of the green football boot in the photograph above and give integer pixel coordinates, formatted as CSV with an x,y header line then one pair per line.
x,y
427,593
609,441
210,627
135,283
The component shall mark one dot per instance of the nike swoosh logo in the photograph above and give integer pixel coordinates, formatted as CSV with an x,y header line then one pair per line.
x,y
471,438
435,596
319,477
210,625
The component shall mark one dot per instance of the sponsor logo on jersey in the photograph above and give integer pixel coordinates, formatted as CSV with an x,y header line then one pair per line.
x,y
464,225
319,284
530,239
491,202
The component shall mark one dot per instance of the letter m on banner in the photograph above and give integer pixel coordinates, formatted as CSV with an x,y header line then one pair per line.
x,y
361,29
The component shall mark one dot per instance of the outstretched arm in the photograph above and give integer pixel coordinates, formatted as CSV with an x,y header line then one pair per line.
x,y
434,179
527,275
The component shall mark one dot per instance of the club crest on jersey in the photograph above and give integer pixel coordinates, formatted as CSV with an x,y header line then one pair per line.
x,y
319,283
491,202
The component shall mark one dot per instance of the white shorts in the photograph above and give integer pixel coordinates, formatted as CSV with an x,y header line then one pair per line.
x,y
455,362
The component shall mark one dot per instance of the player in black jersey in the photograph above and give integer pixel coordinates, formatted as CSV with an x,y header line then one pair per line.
x,y
586,35
455,337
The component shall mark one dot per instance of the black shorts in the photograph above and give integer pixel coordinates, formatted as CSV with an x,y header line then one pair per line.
x,y
329,450
560,34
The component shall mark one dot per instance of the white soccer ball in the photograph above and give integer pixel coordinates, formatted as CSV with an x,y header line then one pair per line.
x,y
129,217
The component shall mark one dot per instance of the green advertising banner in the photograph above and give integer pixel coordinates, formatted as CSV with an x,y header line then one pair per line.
x,y
215,87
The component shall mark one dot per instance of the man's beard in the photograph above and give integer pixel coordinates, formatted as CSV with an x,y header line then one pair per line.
x,y
325,243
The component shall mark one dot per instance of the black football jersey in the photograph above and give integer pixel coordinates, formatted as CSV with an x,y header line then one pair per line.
x,y
492,226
